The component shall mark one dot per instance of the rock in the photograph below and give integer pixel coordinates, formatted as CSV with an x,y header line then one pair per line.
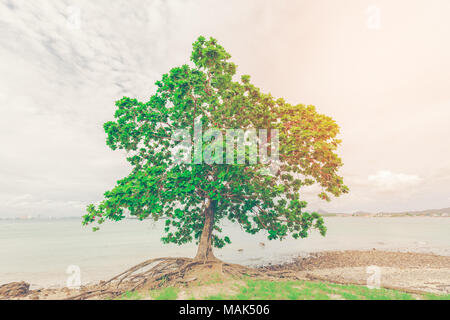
x,y
15,289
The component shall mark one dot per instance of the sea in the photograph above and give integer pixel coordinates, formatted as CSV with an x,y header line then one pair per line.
x,y
45,253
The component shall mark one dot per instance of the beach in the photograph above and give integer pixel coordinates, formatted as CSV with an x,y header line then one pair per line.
x,y
407,271
40,252
412,275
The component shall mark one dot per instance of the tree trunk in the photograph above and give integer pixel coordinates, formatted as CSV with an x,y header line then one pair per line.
x,y
204,251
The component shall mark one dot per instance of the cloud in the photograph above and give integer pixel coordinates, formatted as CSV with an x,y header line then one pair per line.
x,y
27,204
389,181
66,62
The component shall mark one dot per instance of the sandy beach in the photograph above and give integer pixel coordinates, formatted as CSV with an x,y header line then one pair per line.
x,y
398,270
409,272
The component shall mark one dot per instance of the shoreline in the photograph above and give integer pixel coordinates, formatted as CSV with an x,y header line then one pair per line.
x,y
407,271
325,215
32,254
282,261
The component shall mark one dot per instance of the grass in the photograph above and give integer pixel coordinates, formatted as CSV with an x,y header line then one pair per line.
x,y
169,293
251,289
305,290
130,295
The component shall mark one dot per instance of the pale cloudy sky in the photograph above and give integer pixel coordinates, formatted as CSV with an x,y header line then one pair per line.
x,y
381,68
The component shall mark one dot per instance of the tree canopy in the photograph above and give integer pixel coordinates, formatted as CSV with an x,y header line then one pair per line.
x,y
194,197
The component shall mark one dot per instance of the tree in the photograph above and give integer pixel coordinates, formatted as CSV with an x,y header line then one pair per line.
x,y
195,197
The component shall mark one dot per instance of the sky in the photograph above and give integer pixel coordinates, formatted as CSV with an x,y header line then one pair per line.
x,y
380,68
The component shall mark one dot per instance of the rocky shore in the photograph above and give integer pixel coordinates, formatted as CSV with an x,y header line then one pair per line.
x,y
410,272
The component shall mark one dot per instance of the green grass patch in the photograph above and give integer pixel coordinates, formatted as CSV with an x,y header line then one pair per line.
x,y
430,296
169,293
250,289
306,290
130,295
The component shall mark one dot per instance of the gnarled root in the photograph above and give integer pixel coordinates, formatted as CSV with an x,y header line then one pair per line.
x,y
160,272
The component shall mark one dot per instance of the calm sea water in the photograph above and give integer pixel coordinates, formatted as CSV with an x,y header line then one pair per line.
x,y
40,252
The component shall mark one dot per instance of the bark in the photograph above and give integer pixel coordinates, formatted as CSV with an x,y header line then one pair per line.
x,y
205,251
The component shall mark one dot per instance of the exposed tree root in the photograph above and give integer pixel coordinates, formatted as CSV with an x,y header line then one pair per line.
x,y
155,273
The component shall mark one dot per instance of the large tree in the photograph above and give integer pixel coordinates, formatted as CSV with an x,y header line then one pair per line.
x,y
195,196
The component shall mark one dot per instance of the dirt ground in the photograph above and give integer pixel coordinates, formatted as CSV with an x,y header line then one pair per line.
x,y
411,272
397,270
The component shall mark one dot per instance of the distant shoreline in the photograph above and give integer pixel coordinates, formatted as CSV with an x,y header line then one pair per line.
x,y
327,215
384,215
